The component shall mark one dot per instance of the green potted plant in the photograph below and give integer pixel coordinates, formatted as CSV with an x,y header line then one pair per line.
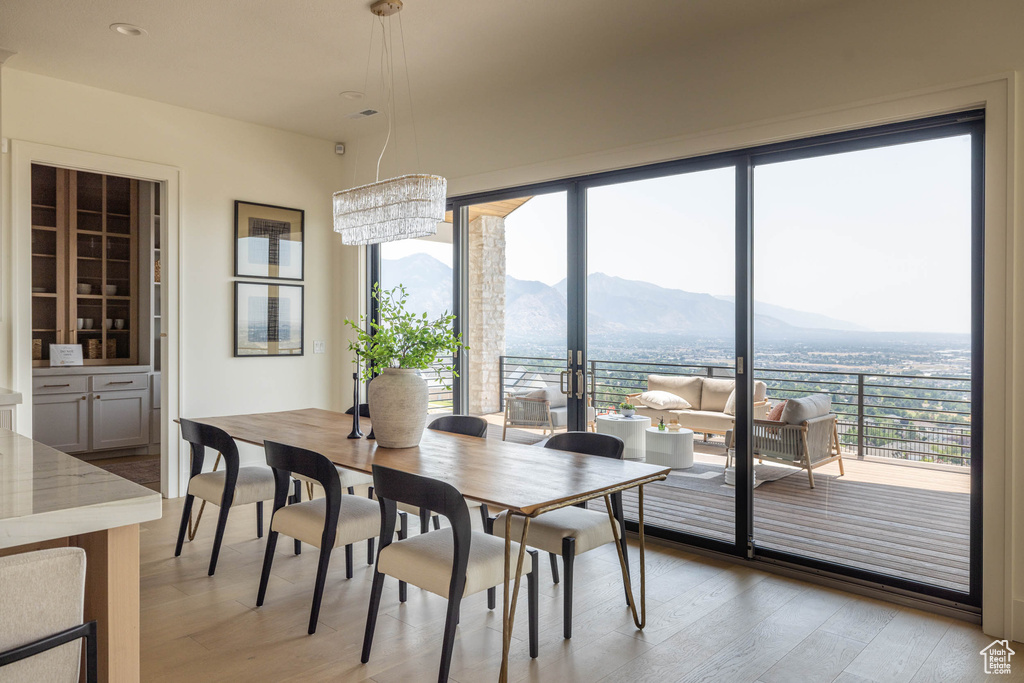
x,y
626,409
391,355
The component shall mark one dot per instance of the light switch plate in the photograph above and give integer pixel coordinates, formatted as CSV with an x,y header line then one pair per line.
x,y
319,347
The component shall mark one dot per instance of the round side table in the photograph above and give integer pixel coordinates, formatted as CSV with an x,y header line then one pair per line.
x,y
630,429
670,449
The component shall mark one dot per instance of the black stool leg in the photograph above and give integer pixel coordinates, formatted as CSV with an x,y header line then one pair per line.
x,y
318,590
424,520
348,561
568,556
268,562
554,567
403,533
259,519
222,521
185,512
533,604
371,616
296,498
437,522
448,644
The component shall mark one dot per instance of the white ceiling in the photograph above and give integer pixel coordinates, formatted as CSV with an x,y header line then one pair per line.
x,y
283,63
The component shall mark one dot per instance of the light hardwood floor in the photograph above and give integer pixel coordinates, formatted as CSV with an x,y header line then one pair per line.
x,y
708,620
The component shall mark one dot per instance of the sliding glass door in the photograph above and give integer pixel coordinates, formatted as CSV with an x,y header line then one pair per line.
x,y
661,317
863,309
805,319
514,314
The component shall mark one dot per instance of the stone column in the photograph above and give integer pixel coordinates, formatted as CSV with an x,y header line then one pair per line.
x,y
486,316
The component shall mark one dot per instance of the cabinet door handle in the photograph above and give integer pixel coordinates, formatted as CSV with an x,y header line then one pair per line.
x,y
84,397
127,381
97,397
55,386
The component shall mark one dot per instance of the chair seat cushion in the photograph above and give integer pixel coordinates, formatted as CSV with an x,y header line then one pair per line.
x,y
358,520
426,561
590,528
254,484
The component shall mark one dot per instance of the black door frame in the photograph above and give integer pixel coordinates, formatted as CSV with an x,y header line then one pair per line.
x,y
745,161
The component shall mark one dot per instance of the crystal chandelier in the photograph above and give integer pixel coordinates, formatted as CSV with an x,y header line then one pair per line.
x,y
397,208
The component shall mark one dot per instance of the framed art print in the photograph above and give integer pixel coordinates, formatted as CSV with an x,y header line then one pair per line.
x,y
268,241
268,319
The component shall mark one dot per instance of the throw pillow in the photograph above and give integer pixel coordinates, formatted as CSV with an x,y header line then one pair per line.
x,y
775,414
800,410
730,404
555,397
663,400
760,392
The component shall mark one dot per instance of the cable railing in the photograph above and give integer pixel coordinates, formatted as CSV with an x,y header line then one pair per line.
x,y
439,398
920,418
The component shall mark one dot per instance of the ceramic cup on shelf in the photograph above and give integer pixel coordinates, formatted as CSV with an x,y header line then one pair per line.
x,y
108,323
84,288
118,323
88,323
110,290
81,323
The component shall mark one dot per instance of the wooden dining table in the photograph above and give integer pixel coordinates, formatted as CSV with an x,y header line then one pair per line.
x,y
525,480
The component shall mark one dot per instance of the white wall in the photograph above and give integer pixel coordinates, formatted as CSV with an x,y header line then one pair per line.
x,y
220,160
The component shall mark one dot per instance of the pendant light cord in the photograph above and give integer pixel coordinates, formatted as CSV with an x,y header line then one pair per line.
x,y
408,89
387,83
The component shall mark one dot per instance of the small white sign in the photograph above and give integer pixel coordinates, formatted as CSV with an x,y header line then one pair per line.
x,y
62,355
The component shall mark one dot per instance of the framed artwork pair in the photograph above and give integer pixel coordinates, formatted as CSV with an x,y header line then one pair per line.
x,y
268,315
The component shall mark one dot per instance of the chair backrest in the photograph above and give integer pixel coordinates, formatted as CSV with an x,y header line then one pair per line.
x,y
364,410
589,443
285,460
467,425
203,436
394,486
41,594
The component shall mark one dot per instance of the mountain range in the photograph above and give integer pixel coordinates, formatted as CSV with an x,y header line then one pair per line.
x,y
536,312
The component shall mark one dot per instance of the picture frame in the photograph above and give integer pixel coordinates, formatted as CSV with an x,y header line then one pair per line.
x,y
269,320
269,241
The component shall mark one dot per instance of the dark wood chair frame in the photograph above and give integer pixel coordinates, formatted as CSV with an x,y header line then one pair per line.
x,y
284,460
86,630
396,486
602,445
201,437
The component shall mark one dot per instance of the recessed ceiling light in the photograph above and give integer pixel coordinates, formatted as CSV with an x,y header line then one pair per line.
x,y
129,30
352,95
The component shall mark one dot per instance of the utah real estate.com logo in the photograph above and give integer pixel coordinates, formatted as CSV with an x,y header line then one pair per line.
x,y
997,657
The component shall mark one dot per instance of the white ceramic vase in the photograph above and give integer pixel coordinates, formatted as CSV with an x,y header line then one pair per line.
x,y
398,407
627,412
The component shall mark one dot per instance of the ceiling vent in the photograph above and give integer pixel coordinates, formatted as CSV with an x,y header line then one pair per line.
x,y
362,114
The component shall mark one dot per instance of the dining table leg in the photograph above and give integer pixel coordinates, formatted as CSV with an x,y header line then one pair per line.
x,y
641,619
509,603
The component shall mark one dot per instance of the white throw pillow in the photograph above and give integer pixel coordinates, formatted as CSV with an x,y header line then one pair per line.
x,y
663,400
730,404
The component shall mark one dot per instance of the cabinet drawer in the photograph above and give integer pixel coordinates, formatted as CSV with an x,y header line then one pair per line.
x,y
66,384
120,382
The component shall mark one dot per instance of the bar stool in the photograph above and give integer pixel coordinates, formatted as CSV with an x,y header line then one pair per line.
x,y
453,562
42,594
572,531
324,523
229,487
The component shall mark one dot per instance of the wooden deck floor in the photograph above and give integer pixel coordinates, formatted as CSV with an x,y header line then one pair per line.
x,y
908,521
901,520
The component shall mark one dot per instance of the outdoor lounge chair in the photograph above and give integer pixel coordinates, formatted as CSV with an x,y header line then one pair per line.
x,y
545,408
808,443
